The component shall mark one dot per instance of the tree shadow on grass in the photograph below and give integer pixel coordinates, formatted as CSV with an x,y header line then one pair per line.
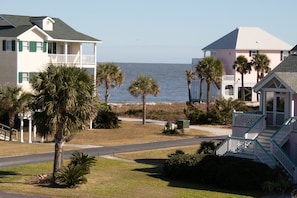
x,y
4,174
156,172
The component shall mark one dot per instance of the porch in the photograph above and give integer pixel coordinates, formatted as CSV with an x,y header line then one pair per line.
x,y
72,59
253,140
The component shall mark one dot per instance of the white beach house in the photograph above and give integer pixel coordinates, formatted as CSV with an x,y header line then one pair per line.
x,y
28,44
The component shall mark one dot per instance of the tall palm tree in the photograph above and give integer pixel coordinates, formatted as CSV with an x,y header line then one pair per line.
x,y
13,101
144,85
200,70
243,67
213,71
110,75
190,76
64,96
261,62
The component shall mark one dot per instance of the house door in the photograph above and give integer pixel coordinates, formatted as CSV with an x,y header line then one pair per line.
x,y
276,103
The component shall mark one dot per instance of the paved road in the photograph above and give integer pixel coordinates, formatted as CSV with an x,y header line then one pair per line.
x,y
100,151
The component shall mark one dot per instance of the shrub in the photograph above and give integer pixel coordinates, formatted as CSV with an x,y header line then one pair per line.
x,y
106,118
221,171
74,174
206,147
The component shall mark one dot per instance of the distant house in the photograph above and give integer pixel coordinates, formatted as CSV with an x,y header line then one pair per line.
x,y
28,44
242,41
270,135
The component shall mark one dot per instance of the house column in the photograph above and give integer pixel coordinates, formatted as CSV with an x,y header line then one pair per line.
x,y
30,130
80,54
34,133
292,113
65,53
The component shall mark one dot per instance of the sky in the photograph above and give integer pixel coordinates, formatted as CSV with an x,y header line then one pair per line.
x,y
161,31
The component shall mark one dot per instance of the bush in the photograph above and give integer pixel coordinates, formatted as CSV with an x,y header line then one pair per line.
x,y
222,171
74,174
106,118
206,147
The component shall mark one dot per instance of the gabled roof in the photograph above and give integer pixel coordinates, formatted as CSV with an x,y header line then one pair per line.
x,y
248,38
285,72
16,25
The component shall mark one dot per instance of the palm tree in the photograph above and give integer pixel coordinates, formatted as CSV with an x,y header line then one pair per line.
x,y
190,76
200,71
13,101
261,65
213,71
242,66
110,75
65,97
144,85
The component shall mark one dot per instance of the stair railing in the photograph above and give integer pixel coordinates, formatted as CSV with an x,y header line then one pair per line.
x,y
255,129
284,159
281,135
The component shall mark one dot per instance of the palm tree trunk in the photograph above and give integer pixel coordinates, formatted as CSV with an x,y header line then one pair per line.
x,y
242,89
208,97
200,90
143,109
58,158
189,92
11,124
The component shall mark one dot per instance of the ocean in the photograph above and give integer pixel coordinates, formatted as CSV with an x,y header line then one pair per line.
x,y
170,77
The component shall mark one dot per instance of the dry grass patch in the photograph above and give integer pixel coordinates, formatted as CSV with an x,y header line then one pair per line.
x,y
130,133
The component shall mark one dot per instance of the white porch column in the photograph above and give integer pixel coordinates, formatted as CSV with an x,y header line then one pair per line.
x,y
80,55
95,53
292,105
34,133
65,53
30,130
22,129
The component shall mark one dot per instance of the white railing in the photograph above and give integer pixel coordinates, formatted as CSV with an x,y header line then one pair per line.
x,y
281,135
228,78
5,131
241,119
284,160
237,145
256,128
71,59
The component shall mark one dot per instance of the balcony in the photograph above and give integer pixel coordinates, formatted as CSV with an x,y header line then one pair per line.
x,y
72,59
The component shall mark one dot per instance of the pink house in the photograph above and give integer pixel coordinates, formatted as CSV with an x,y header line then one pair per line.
x,y
270,135
242,41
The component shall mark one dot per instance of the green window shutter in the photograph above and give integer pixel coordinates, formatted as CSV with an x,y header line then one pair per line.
x,y
31,75
33,46
20,77
13,45
20,46
4,45
44,46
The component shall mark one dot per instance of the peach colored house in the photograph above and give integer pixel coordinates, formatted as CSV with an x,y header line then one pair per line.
x,y
270,135
243,41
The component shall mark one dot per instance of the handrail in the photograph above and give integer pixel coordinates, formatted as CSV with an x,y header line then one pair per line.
x,y
288,122
250,130
266,153
283,158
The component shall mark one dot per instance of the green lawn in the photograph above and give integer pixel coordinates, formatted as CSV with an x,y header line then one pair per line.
x,y
109,178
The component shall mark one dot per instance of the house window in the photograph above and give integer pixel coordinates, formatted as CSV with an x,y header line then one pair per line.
x,y
229,90
8,45
253,52
26,76
52,48
26,45
39,46
284,55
